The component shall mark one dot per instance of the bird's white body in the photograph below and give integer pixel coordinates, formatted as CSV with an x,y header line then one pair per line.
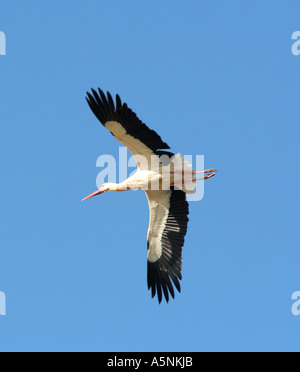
x,y
162,177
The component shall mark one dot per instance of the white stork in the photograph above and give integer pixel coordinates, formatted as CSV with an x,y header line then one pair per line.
x,y
168,207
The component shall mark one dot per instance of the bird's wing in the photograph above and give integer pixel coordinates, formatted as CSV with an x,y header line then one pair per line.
x,y
124,124
167,228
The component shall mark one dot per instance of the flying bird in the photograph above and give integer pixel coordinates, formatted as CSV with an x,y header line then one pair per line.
x,y
165,177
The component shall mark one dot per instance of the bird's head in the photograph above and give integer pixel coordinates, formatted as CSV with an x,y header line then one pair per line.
x,y
104,188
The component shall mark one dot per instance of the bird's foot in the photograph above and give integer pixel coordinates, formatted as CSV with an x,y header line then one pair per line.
x,y
212,170
206,177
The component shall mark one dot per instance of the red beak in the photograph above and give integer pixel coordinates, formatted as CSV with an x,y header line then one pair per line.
x,y
93,194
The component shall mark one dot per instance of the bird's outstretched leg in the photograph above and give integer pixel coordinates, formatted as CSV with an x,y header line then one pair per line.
x,y
206,171
194,172
197,179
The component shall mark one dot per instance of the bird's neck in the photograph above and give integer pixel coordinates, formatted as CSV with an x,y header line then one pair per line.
x,y
122,186
118,187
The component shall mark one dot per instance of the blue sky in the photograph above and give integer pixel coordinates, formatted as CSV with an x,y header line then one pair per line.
x,y
215,78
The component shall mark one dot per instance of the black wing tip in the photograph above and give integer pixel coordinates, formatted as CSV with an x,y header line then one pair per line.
x,y
159,282
97,95
88,95
106,108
